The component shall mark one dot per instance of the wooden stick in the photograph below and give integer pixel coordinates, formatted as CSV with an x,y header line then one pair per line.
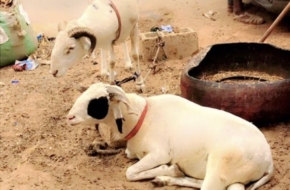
x,y
274,24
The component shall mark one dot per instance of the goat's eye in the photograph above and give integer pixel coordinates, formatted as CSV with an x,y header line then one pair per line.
x,y
69,50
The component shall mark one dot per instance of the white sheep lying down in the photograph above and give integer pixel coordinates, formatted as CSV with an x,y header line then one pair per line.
x,y
103,24
177,141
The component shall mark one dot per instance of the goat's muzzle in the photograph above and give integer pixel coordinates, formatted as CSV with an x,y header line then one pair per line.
x,y
55,73
71,117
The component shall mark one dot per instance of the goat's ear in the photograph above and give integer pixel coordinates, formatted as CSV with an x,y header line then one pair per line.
x,y
98,108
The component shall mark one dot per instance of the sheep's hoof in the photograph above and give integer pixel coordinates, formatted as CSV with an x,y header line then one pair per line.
x,y
117,143
100,148
177,171
129,154
159,182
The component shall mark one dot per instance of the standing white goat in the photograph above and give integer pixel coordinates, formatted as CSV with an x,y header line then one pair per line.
x,y
103,24
104,67
174,137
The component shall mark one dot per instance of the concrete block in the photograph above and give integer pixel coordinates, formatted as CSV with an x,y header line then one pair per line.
x,y
178,44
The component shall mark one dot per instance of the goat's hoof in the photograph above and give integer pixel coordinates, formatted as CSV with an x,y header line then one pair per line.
x,y
140,88
112,83
128,67
105,75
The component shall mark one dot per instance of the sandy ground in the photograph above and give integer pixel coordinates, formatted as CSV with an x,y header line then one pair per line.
x,y
40,151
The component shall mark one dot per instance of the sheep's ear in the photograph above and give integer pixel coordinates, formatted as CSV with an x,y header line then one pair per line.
x,y
116,93
119,123
98,108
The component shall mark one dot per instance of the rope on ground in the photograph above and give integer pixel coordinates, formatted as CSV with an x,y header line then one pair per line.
x,y
159,44
127,79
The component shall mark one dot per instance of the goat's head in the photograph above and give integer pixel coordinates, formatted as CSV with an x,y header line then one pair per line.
x,y
97,103
70,47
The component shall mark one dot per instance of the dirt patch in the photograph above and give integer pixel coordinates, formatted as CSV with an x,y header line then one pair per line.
x,y
38,149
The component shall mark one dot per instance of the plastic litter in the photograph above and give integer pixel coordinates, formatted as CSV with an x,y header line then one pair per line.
x,y
31,65
28,64
166,28
15,81
39,37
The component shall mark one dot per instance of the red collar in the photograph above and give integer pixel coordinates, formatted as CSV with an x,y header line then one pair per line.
x,y
119,20
138,125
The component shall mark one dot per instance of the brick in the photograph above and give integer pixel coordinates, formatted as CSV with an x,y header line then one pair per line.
x,y
178,45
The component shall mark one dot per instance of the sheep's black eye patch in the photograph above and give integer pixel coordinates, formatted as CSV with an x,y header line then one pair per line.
x,y
98,108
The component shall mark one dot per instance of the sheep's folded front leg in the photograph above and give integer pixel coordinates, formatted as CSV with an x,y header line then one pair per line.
x,y
178,181
236,186
152,165
100,148
110,144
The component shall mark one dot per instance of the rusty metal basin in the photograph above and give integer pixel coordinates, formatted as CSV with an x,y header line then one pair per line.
x,y
259,102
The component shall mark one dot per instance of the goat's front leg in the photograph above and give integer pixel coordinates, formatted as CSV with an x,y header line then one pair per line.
x,y
127,59
152,165
112,62
104,67
140,85
93,55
